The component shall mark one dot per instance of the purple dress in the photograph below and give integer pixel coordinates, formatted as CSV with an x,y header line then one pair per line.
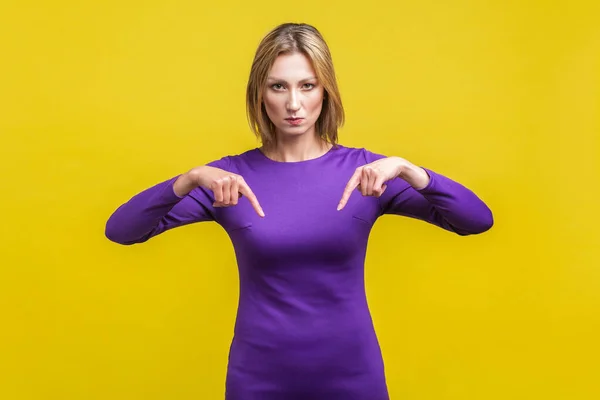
x,y
303,328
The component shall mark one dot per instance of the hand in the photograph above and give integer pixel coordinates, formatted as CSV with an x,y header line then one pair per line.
x,y
226,186
370,178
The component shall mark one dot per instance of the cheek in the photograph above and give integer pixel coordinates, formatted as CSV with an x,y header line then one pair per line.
x,y
270,104
273,100
315,103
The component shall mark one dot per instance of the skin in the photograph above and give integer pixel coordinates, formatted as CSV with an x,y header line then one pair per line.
x,y
293,91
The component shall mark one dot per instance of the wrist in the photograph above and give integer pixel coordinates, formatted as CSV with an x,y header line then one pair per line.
x,y
184,184
415,176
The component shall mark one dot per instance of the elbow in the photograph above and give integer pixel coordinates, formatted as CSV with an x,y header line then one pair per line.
x,y
483,222
116,234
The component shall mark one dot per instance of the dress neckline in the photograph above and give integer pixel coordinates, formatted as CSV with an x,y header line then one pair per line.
x,y
303,162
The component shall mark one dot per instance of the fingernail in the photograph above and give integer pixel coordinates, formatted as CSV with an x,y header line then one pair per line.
x,y
339,207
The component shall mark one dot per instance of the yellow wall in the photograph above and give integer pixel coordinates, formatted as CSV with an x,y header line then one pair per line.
x,y
99,101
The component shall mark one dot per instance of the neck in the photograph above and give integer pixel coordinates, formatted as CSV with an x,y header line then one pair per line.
x,y
299,148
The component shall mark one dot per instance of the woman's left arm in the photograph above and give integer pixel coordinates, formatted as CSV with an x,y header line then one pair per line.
x,y
406,189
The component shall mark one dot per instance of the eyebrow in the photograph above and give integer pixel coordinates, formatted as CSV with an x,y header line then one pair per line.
x,y
272,78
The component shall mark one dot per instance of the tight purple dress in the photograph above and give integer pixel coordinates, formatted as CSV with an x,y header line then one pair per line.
x,y
303,328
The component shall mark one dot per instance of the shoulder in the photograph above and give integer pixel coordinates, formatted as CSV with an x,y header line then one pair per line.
x,y
360,155
235,162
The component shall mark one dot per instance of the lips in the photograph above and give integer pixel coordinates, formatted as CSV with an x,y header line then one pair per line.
x,y
294,121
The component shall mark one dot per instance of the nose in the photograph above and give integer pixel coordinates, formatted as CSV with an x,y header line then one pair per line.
x,y
293,103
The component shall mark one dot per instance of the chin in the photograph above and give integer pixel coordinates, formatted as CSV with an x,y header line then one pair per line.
x,y
293,131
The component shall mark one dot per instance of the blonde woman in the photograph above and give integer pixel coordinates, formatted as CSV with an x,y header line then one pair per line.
x,y
299,211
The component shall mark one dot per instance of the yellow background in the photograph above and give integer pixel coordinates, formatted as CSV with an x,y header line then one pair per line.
x,y
100,100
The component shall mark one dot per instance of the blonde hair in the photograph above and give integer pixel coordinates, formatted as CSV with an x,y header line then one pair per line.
x,y
286,39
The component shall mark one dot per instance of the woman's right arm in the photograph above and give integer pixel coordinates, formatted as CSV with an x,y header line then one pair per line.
x,y
176,202
184,199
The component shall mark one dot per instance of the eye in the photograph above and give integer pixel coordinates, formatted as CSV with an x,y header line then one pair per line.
x,y
308,86
277,86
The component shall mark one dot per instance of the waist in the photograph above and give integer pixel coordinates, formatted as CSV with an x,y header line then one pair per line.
x,y
307,326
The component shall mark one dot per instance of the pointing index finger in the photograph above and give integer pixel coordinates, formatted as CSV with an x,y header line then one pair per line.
x,y
352,184
246,191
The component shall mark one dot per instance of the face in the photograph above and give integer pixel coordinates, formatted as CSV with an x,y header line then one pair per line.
x,y
293,97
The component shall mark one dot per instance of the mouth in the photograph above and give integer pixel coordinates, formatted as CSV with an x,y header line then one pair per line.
x,y
294,121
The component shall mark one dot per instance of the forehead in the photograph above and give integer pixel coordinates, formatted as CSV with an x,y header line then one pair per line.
x,y
295,66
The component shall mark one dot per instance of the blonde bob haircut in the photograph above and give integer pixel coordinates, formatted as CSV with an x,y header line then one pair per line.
x,y
291,38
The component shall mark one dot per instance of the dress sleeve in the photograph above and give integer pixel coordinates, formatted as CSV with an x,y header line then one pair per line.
x,y
443,202
158,209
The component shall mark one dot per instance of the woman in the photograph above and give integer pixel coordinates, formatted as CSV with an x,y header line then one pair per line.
x,y
299,229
